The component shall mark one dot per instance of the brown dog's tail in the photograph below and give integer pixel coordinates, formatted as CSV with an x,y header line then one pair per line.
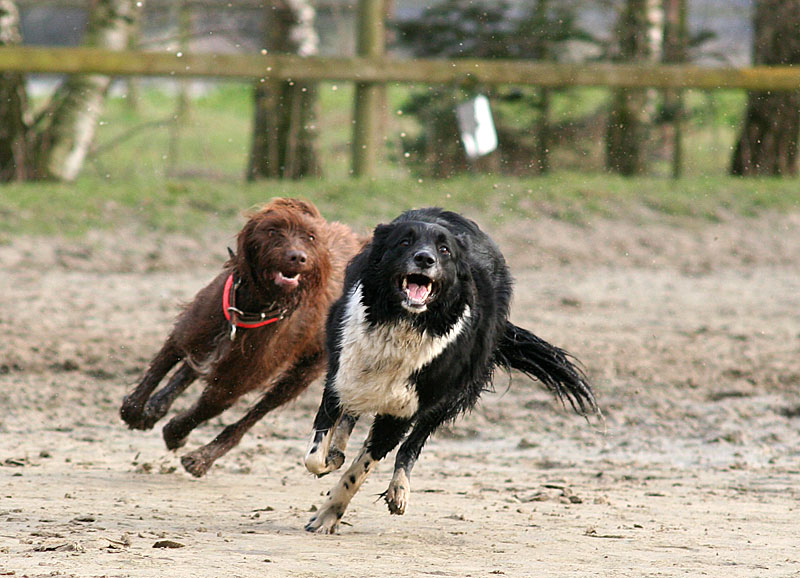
x,y
522,350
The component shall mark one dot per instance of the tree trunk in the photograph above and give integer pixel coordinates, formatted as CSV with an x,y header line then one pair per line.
x,y
629,118
768,141
14,145
541,51
284,126
67,126
675,52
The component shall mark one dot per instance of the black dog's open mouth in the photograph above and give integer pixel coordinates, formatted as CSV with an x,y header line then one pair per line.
x,y
418,290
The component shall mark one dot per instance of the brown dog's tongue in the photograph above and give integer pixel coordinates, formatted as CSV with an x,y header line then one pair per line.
x,y
286,282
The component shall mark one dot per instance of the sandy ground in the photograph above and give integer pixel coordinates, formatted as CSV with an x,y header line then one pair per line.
x,y
690,333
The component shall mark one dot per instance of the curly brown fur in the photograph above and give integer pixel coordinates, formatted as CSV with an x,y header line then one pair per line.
x,y
289,258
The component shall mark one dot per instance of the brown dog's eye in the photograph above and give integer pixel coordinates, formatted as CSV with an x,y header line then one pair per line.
x,y
271,232
311,237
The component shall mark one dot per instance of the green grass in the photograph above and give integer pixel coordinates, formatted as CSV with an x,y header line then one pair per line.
x,y
187,206
134,182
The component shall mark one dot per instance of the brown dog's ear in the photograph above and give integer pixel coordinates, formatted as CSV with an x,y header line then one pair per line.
x,y
281,203
246,248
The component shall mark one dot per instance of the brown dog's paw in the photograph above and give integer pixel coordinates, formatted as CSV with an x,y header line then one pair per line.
x,y
172,440
132,413
196,464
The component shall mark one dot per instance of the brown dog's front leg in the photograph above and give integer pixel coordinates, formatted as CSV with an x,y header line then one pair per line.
x,y
132,411
289,386
158,405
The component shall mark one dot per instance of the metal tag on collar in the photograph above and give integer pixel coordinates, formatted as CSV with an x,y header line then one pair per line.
x,y
233,331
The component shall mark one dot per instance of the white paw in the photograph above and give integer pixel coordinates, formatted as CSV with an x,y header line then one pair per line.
x,y
397,495
315,460
318,464
326,520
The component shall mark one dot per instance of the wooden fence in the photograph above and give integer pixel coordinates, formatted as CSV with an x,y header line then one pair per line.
x,y
372,70
387,70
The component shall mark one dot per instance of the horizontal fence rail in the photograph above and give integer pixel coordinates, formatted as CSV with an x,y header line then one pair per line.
x,y
384,70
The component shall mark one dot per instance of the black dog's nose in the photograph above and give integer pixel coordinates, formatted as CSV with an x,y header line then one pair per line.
x,y
298,257
424,259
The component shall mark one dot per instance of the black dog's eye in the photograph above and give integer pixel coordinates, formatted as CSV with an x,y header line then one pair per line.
x,y
444,249
404,243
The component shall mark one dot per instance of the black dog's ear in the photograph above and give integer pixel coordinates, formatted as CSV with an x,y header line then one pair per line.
x,y
378,242
381,232
462,240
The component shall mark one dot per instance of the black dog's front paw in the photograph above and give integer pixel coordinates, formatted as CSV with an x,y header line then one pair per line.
x,y
333,461
326,521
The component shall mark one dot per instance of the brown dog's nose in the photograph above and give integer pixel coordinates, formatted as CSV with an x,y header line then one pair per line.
x,y
297,257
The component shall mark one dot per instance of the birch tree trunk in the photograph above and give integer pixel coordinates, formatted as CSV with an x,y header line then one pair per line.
x,y
769,139
284,126
639,36
14,145
66,128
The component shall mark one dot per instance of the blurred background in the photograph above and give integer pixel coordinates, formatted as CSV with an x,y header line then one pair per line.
x,y
163,133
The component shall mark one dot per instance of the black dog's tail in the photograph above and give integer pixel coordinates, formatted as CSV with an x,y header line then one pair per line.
x,y
520,349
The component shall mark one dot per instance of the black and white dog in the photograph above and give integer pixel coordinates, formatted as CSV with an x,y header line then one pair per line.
x,y
414,339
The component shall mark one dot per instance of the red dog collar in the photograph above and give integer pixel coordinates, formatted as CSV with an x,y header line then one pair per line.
x,y
238,318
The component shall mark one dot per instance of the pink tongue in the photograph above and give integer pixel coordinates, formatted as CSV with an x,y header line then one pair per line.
x,y
417,292
287,282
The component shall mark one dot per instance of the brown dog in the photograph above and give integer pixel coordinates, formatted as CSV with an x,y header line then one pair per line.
x,y
259,324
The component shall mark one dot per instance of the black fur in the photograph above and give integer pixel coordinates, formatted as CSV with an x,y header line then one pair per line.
x,y
466,269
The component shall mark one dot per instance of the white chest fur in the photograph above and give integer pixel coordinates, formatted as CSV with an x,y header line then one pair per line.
x,y
376,363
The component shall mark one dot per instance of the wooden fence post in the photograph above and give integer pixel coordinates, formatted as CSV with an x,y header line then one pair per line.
x,y
371,44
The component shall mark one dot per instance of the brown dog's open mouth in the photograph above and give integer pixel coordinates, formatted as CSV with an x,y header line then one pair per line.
x,y
286,281
418,290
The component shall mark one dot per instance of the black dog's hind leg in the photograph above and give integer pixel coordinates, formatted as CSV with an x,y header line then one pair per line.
x,y
399,490
332,429
386,433
133,405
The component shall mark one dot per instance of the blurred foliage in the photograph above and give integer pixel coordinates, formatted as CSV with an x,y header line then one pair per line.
x,y
484,29
128,180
